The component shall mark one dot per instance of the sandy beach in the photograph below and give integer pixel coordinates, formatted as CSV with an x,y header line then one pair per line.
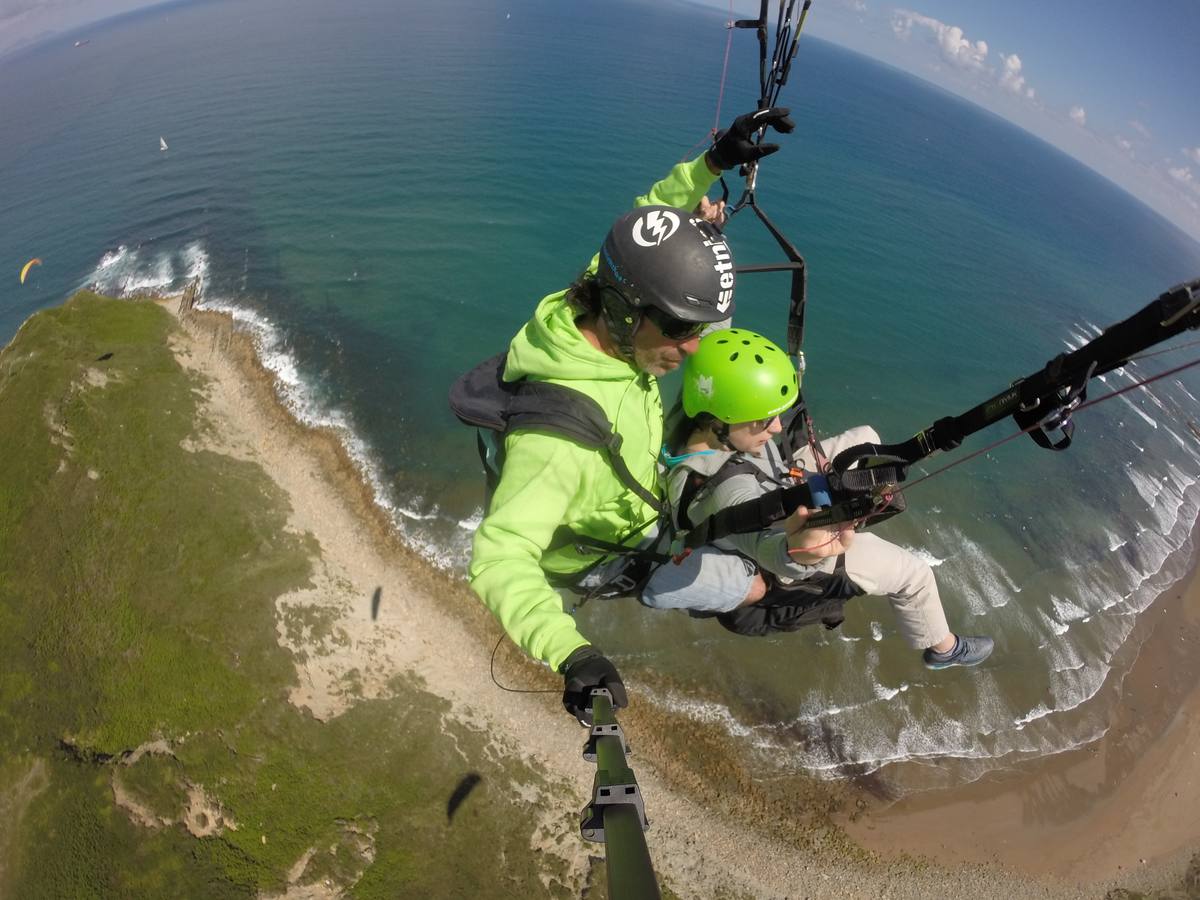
x,y
1122,813
1123,810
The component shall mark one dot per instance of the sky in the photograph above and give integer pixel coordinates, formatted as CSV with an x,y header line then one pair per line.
x,y
25,22
1114,84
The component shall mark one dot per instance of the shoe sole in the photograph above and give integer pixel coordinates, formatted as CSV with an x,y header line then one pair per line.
x,y
950,665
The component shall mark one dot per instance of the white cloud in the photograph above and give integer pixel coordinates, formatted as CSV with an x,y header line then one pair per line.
x,y
1011,78
1125,144
966,55
1078,116
1141,129
1192,153
954,46
1185,177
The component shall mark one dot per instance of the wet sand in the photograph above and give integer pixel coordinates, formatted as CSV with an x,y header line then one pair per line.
x,y
1073,825
1125,809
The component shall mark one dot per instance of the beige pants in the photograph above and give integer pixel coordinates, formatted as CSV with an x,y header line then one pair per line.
x,y
881,568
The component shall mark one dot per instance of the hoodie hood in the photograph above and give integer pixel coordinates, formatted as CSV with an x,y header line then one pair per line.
x,y
551,347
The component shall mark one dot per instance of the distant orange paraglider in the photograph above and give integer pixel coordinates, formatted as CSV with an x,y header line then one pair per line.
x,y
29,265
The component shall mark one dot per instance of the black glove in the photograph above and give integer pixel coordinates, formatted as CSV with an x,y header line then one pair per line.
x,y
584,669
733,147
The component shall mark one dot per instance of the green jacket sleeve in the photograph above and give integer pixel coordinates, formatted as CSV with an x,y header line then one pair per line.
x,y
542,476
682,188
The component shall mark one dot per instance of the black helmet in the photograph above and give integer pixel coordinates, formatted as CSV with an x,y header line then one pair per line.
x,y
667,259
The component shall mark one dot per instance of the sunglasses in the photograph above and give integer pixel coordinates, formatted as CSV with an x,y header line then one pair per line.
x,y
672,328
757,425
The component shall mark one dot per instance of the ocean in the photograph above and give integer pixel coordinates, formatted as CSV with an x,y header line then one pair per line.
x,y
381,192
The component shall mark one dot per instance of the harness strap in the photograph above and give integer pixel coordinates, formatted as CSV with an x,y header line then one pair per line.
x,y
544,406
617,461
820,599
481,397
748,516
733,465
564,537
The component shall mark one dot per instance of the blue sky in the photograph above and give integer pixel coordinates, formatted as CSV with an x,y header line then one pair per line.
x,y
1114,84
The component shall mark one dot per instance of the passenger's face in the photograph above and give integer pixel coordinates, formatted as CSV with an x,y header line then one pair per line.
x,y
655,353
751,437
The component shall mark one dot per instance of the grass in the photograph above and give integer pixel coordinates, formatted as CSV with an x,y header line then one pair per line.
x,y
137,602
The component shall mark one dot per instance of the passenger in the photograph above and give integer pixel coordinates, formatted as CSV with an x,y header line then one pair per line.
x,y
663,274
735,386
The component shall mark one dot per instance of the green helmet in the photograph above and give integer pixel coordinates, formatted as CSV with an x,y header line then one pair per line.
x,y
738,376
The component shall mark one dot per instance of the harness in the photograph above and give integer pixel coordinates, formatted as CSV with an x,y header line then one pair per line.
x,y
495,407
820,598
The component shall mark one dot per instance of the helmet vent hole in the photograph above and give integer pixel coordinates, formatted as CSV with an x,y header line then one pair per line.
x,y
723,341
745,343
783,391
758,359
735,356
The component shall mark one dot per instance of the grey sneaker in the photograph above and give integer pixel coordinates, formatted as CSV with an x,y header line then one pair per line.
x,y
967,651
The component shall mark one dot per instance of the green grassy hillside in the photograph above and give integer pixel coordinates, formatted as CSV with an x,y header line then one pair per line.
x,y
137,588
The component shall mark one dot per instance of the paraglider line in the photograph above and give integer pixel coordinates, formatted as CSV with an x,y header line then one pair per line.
x,y
712,134
1081,408
724,69
1164,350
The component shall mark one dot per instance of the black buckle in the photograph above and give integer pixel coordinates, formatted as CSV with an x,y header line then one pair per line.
x,y
1040,424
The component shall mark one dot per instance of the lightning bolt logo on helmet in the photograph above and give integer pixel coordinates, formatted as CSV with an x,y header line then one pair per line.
x,y
655,227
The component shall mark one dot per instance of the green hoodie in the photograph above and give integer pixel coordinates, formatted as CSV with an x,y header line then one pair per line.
x,y
549,481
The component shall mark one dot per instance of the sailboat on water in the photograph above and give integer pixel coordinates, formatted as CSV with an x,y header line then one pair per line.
x,y
162,144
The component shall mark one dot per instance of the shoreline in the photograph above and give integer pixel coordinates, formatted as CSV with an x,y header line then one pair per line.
x,y
748,842
1126,805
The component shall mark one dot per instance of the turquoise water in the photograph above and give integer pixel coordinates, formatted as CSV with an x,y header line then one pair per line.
x,y
383,191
